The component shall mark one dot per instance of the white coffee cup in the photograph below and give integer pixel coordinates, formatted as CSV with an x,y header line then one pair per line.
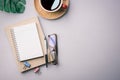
x,y
51,5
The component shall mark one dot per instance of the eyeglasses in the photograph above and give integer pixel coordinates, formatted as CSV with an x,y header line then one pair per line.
x,y
52,44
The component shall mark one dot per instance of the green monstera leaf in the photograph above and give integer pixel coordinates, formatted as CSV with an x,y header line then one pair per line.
x,y
1,5
20,7
7,5
13,6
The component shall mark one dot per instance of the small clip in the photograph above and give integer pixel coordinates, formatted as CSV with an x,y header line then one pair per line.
x,y
36,70
27,64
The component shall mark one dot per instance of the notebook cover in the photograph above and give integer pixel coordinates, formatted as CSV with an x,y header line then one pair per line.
x,y
34,62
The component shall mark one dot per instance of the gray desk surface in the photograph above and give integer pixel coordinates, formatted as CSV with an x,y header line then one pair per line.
x,y
89,42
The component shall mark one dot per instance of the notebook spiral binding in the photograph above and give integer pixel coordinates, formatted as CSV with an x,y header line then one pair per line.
x,y
15,43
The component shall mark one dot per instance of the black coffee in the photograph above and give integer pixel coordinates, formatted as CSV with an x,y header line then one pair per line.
x,y
50,4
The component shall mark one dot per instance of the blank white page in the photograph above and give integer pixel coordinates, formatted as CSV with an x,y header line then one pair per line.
x,y
27,41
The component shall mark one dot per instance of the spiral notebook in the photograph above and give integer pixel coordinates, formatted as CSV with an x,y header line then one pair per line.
x,y
27,42
35,32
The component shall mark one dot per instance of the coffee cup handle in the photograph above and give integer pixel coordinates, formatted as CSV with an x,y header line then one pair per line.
x,y
64,6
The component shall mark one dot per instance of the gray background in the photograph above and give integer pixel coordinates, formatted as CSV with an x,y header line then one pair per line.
x,y
89,42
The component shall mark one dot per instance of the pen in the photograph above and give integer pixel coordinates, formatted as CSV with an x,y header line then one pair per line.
x,y
46,60
46,51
